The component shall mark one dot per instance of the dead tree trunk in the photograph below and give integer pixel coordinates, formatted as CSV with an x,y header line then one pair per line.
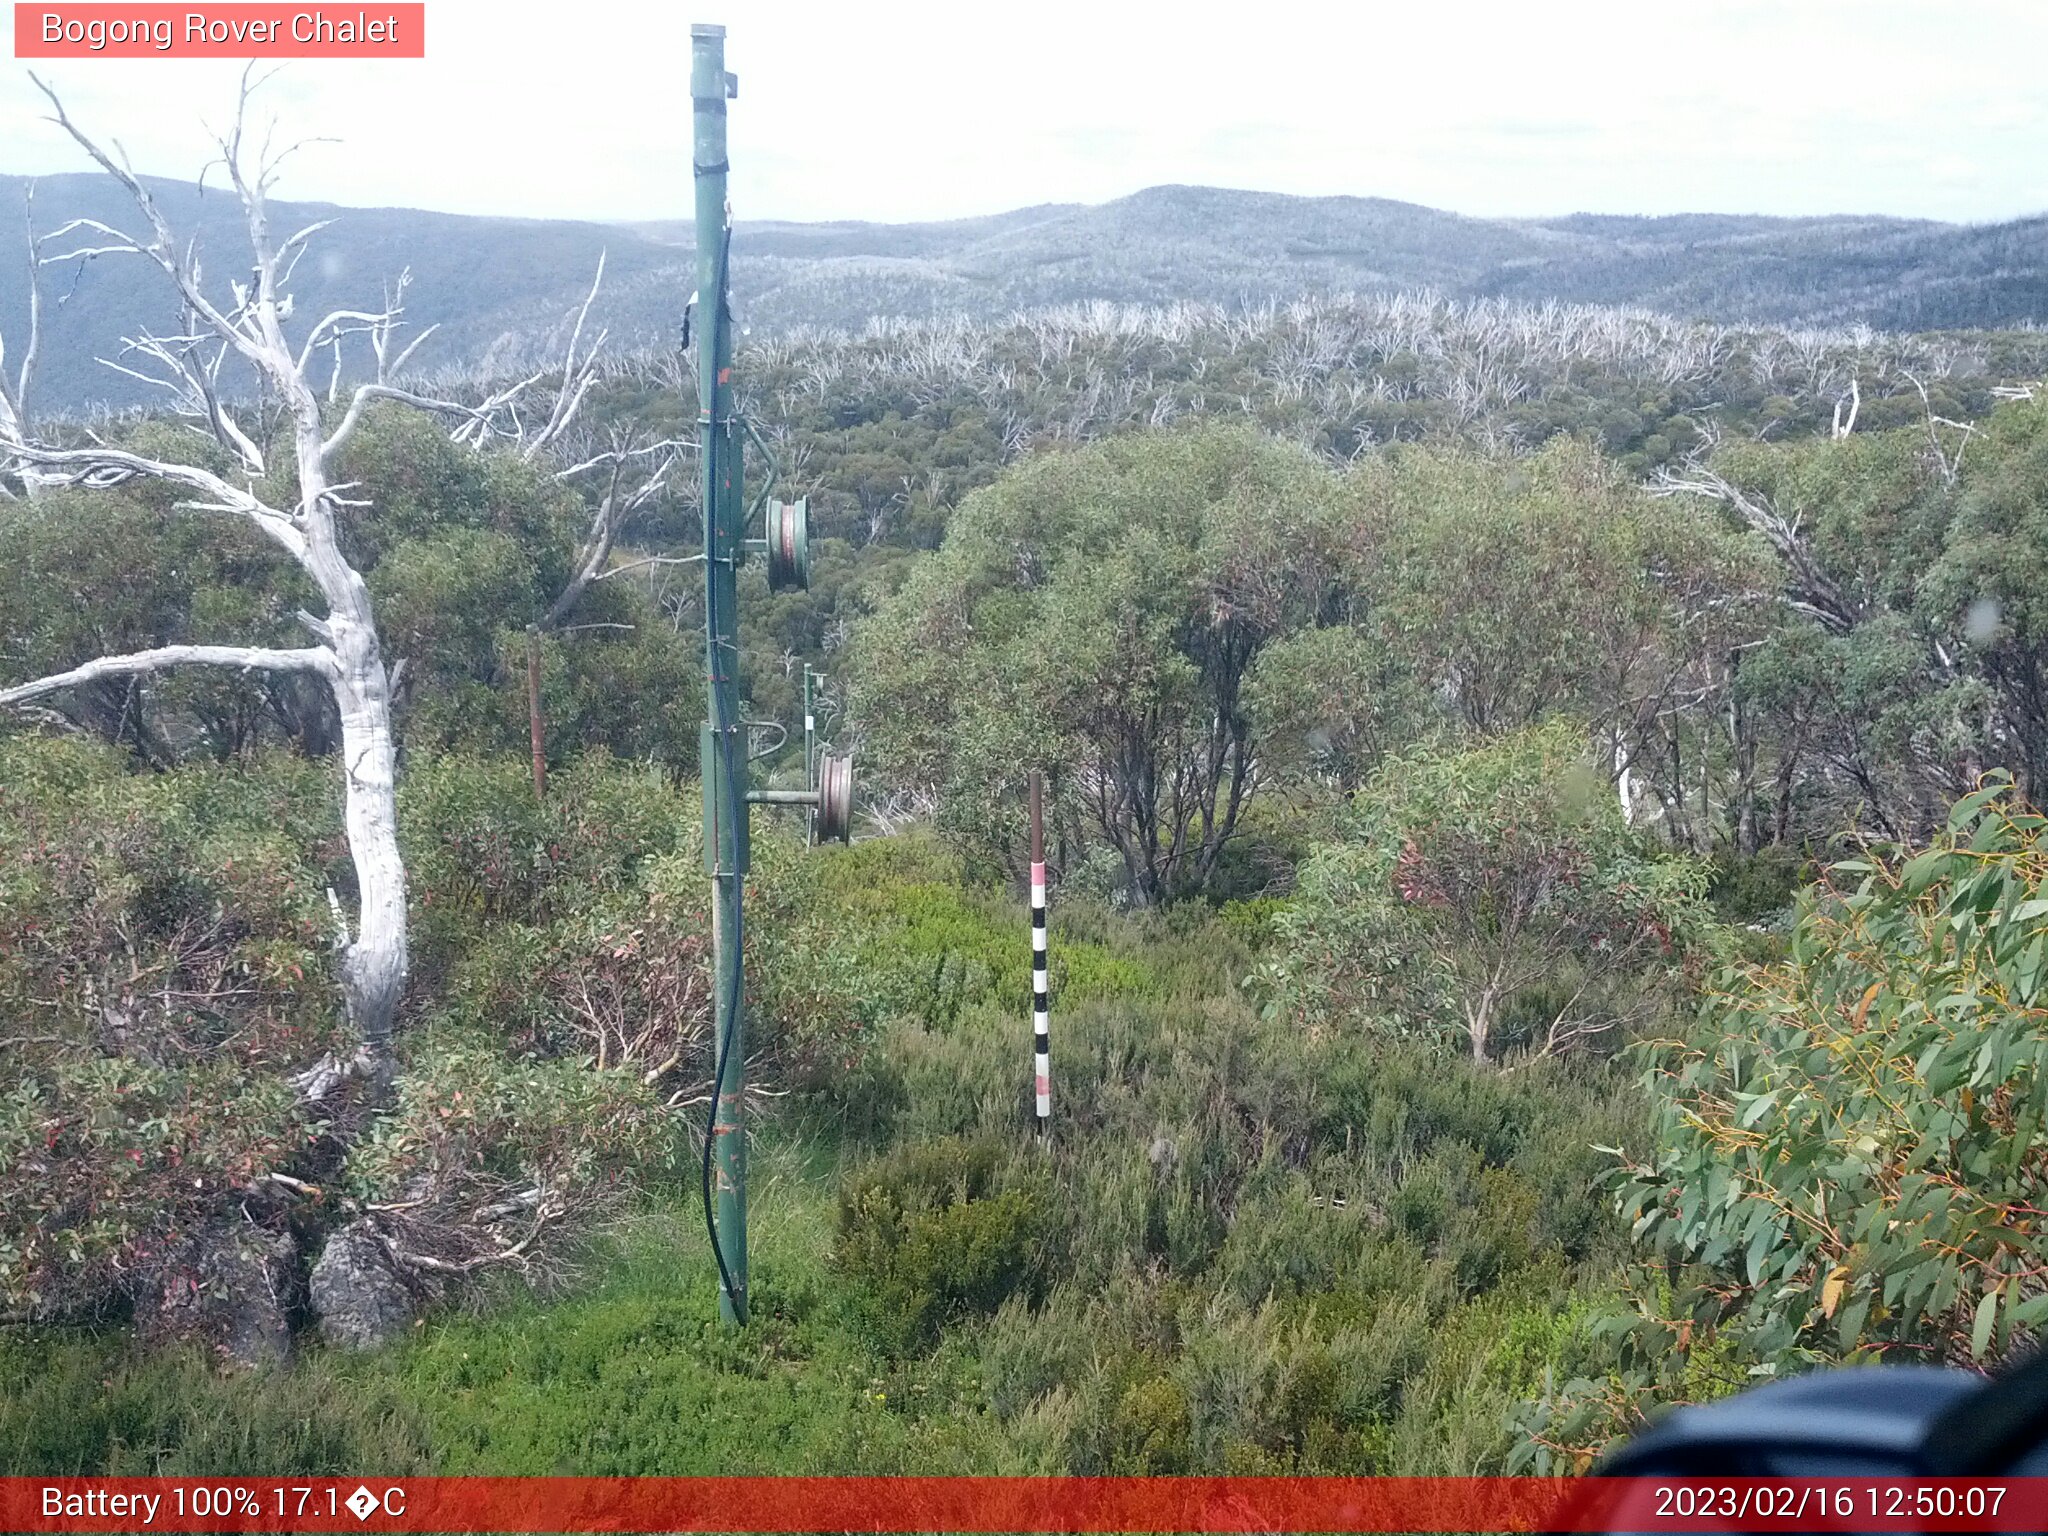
x,y
15,390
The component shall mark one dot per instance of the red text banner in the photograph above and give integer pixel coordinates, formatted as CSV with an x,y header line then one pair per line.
x,y
1052,1504
226,31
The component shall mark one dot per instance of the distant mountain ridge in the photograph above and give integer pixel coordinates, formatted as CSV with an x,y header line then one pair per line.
x,y
499,288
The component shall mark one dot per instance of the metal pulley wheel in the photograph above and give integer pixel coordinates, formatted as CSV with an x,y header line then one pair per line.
x,y
788,535
835,798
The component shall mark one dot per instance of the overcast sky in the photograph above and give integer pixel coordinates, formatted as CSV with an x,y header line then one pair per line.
x,y
893,111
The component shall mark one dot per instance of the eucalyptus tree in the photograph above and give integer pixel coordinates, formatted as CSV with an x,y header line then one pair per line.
x,y
1480,594
1909,654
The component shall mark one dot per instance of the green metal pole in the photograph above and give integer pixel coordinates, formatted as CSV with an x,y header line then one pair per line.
x,y
722,749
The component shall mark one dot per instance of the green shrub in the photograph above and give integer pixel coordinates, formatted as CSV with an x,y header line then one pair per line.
x,y
481,850
1152,1429
928,947
1758,887
1491,897
76,1403
929,1231
1892,1062
474,1126
1251,920
163,968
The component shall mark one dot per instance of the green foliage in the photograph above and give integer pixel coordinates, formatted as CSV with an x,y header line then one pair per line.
x,y
1253,1246
1282,1254
632,684
928,946
84,1403
1493,894
1339,698
1247,1248
474,1125
1990,585
1758,888
629,1373
164,970
577,928
109,1168
1847,1157
461,550
1511,590
633,1372
91,574
1923,562
1255,922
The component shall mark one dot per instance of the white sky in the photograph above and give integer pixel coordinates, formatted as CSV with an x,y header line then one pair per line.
x,y
899,109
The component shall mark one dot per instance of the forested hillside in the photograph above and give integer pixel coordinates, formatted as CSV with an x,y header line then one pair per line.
x,y
1548,918
496,285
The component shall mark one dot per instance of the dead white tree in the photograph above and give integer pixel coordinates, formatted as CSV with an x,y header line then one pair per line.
x,y
1810,589
15,391
1949,463
1845,422
626,473
630,476
346,654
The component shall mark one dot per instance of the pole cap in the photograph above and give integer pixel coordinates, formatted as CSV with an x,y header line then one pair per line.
x,y
707,29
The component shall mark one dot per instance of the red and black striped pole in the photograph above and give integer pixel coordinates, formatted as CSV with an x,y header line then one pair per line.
x,y
1041,1003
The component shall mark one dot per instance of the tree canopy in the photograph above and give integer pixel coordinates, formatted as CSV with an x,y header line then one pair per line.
x,y
1097,613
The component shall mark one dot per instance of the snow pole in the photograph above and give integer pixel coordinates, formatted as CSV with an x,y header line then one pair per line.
x,y
1041,1001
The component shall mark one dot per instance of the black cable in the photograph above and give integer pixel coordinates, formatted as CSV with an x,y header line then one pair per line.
x,y
734,809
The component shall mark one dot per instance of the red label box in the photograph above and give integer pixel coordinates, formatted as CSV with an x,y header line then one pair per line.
x,y
73,1506
378,30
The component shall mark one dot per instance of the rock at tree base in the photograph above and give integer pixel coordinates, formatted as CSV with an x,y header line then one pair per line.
x,y
359,1298
236,1295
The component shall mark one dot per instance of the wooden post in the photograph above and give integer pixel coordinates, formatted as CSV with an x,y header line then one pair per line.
x,y
536,727
1041,1002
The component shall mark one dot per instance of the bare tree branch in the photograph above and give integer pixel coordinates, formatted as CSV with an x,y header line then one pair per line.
x,y
244,658
1814,592
577,374
1950,464
615,507
365,393
162,248
99,468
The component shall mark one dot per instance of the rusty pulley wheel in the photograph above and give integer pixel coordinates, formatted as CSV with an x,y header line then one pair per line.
x,y
835,798
788,534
